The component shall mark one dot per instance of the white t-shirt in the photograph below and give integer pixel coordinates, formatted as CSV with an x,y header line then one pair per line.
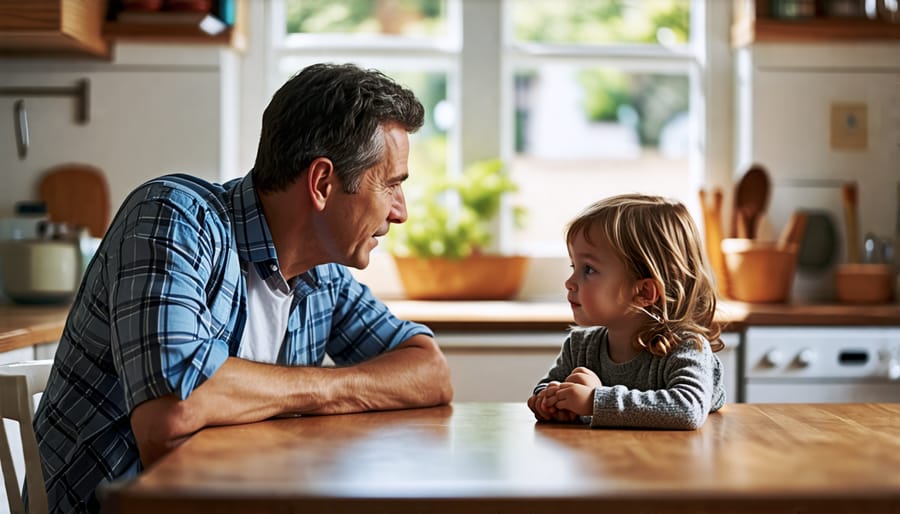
x,y
268,309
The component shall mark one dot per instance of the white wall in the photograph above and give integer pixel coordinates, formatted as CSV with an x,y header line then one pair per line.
x,y
154,109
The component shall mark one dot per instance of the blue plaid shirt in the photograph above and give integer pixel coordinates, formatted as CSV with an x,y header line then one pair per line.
x,y
162,305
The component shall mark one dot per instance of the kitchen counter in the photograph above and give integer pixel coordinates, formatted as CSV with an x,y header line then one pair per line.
x,y
490,457
535,316
28,325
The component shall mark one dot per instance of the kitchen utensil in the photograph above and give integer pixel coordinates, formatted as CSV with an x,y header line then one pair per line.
x,y
849,196
792,234
712,223
21,120
752,198
819,243
40,271
758,271
77,194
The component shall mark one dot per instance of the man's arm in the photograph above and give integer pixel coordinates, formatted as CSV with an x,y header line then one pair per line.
x,y
415,374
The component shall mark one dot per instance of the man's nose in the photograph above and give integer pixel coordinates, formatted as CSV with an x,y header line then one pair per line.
x,y
398,212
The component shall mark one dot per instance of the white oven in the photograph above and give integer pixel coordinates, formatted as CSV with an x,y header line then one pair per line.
x,y
822,364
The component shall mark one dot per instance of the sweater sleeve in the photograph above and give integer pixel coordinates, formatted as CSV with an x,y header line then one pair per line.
x,y
565,363
683,402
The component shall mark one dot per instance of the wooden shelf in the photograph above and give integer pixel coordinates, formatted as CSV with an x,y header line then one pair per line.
x,y
752,24
179,28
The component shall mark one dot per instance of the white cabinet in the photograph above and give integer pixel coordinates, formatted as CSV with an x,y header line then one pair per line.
x,y
498,367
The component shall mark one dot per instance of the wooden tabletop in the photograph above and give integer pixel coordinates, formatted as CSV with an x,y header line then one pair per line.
x,y
492,457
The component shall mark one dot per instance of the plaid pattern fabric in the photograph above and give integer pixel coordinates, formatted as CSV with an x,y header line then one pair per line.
x,y
162,305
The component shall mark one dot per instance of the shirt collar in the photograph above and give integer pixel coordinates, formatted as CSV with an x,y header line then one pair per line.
x,y
251,230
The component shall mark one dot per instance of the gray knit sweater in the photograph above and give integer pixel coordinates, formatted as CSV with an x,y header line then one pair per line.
x,y
673,392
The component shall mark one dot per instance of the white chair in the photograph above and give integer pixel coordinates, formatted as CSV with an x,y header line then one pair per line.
x,y
19,382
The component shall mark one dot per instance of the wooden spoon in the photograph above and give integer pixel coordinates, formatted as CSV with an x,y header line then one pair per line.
x,y
751,198
792,234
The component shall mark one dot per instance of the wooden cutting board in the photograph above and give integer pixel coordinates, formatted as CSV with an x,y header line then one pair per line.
x,y
77,194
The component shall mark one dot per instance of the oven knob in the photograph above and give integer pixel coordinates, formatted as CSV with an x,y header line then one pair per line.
x,y
806,357
774,358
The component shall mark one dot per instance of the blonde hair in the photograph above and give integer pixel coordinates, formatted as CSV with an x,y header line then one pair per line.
x,y
656,238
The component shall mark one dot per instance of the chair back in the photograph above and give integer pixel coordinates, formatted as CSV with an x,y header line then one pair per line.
x,y
19,382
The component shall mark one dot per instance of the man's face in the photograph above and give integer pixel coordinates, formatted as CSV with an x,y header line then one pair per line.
x,y
357,219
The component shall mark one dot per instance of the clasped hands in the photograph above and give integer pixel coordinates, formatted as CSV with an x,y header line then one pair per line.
x,y
566,401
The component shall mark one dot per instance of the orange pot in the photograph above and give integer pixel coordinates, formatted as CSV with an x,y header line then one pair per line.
x,y
477,277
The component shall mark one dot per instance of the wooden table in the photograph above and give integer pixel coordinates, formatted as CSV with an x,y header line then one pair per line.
x,y
493,458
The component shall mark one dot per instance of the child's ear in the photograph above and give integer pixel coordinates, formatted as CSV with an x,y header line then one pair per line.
x,y
649,291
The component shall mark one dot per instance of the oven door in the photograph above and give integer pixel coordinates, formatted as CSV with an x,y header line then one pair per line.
x,y
822,364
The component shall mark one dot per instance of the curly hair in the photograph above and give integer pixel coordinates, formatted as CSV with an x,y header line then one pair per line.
x,y
656,238
335,111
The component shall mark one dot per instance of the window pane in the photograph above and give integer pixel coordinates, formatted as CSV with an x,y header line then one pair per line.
x,y
408,18
662,22
582,133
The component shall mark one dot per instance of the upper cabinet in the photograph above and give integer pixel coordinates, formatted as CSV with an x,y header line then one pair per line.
x,y
52,27
822,21
89,28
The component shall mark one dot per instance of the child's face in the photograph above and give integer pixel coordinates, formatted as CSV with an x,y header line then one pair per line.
x,y
599,288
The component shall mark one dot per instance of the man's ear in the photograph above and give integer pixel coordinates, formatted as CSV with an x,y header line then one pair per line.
x,y
320,182
648,291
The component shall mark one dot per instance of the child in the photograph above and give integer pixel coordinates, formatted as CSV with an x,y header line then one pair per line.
x,y
643,298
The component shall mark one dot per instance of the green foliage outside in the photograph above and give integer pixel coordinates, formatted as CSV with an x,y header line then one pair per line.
x,y
600,21
654,98
417,17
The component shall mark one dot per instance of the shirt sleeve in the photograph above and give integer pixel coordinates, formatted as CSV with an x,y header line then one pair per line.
x,y
683,403
362,325
161,326
562,368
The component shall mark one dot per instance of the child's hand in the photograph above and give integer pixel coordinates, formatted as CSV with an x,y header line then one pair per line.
x,y
584,376
544,405
575,398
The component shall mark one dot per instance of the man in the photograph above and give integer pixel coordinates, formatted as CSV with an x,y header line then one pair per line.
x,y
216,304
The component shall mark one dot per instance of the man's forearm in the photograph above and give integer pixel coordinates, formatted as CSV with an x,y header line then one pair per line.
x,y
415,374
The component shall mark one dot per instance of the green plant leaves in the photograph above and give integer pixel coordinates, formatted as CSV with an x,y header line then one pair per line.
x,y
452,218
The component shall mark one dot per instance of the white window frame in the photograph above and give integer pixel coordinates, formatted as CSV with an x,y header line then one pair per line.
x,y
481,63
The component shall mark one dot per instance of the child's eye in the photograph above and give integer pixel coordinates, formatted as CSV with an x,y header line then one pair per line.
x,y
588,270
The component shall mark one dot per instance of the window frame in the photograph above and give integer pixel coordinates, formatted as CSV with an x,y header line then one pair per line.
x,y
482,58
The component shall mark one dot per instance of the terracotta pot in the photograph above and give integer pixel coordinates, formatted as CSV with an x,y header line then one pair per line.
x,y
477,277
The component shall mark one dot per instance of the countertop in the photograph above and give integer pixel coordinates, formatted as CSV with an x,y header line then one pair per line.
x,y
482,458
734,316
22,326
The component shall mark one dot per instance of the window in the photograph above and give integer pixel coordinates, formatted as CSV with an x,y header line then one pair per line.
x,y
582,98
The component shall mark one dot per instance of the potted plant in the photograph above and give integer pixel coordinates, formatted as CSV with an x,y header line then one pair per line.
x,y
442,251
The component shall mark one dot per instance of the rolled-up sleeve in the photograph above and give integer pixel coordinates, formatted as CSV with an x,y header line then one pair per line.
x,y
164,337
362,325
